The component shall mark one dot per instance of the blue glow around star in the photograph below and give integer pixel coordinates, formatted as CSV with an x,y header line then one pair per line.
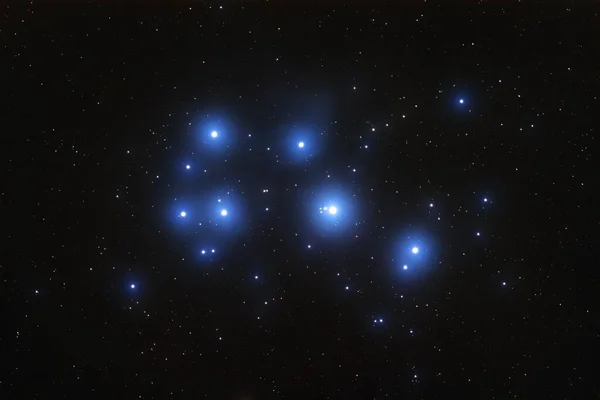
x,y
331,210
412,254
301,143
214,132
226,211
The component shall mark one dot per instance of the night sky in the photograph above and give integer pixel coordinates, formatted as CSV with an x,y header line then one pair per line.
x,y
296,200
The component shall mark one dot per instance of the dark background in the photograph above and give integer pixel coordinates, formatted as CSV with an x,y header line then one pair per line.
x,y
83,83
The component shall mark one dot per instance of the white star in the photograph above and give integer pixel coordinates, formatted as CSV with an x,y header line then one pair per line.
x,y
333,210
214,134
224,212
405,267
301,144
461,101
182,214
415,250
187,166
132,286
203,252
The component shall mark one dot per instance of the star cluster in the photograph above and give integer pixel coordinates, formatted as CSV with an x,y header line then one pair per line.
x,y
258,200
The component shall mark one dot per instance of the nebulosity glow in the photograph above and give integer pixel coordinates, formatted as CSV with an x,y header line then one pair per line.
x,y
301,143
214,132
331,209
414,251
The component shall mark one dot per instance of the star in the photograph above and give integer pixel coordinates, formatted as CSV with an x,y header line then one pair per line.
x,y
405,267
301,145
182,214
223,212
255,277
132,286
188,166
203,251
415,250
333,210
461,101
214,134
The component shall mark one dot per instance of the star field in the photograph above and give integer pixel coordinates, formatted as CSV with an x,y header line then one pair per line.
x,y
246,200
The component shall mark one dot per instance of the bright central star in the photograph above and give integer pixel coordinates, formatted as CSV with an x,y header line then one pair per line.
x,y
301,144
415,250
224,212
183,214
214,134
461,101
333,210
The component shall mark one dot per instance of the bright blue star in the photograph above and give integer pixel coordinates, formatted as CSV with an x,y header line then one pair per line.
x,y
132,286
301,143
215,132
188,166
332,209
223,212
414,251
183,214
461,101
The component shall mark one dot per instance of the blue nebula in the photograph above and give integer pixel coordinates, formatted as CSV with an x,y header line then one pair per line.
x,y
412,255
301,143
331,210
226,211
215,133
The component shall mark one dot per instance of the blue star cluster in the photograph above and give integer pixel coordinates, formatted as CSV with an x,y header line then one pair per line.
x,y
282,200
